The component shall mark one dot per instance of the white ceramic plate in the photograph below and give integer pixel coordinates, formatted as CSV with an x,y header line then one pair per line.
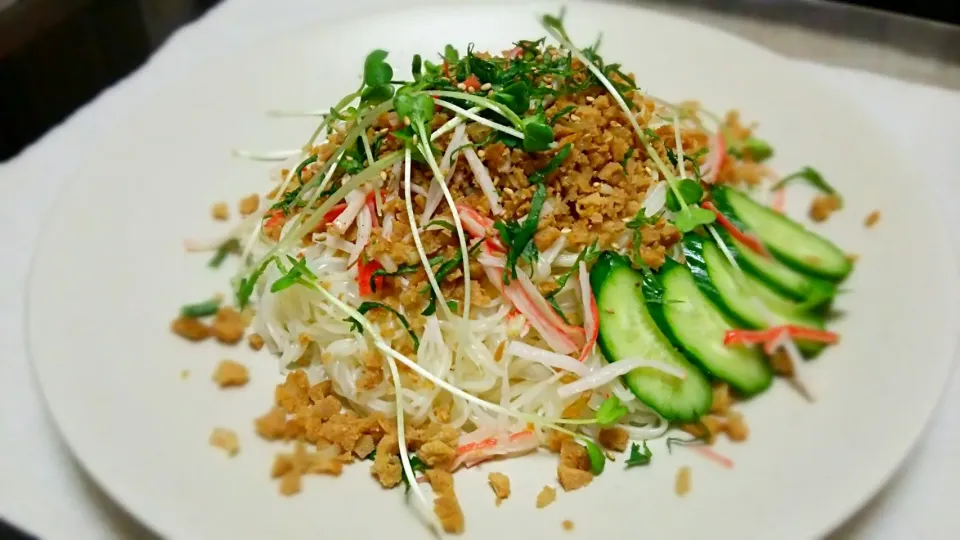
x,y
110,273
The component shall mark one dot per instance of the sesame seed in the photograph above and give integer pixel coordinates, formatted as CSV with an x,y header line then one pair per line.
x,y
596,184
566,230
471,90
508,191
383,175
406,120
486,86
614,123
481,153
461,86
415,139
615,245
574,117
590,99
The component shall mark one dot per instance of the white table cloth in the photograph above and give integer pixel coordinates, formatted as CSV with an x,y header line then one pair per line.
x,y
45,492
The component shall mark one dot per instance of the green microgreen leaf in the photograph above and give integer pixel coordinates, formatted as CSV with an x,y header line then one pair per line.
x,y
692,217
201,309
597,459
516,96
537,133
230,246
626,157
450,54
376,71
442,223
416,67
811,176
759,149
245,289
610,411
416,465
638,457
295,275
689,189
446,266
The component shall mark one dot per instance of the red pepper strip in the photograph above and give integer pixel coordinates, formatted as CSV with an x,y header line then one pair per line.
x,y
333,213
712,455
754,337
515,52
446,69
472,82
275,216
364,273
748,240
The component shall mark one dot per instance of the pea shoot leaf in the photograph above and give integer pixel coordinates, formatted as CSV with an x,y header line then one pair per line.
x,y
245,289
692,217
610,411
689,189
597,459
376,71
812,177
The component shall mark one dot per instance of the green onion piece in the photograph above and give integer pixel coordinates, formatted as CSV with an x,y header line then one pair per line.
x,y
230,246
638,457
201,309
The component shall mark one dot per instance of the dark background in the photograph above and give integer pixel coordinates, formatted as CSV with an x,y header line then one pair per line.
x,y
55,55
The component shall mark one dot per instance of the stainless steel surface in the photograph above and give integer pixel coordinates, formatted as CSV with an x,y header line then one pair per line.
x,y
907,48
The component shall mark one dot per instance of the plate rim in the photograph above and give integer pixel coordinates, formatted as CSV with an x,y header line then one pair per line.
x,y
149,520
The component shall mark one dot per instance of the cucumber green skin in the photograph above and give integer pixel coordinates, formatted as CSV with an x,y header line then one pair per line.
x,y
696,250
744,368
778,276
830,262
622,312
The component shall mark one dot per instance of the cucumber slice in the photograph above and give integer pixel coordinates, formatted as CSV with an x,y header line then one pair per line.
x,y
627,330
717,279
783,279
698,327
785,238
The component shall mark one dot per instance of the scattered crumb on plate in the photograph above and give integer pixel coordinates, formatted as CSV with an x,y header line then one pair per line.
x,y
500,484
255,341
546,496
249,204
567,525
823,206
230,373
184,373
872,219
682,485
225,439
220,211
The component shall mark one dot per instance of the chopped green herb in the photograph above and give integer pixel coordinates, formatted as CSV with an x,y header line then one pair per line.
x,y
230,246
626,157
450,54
445,268
555,162
587,255
812,176
416,465
561,113
367,306
610,411
200,309
759,149
293,276
597,459
517,237
442,223
402,270
638,457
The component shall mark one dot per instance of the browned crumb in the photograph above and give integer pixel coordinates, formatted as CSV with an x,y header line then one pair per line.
x,y
567,525
249,204
290,483
571,479
872,219
228,326
440,481
230,373
282,464
292,394
190,328
682,483
546,496
823,206
500,484
272,425
364,447
184,373
721,398
555,440
386,464
574,455
225,439
448,511
781,363
736,428
255,341
437,454
706,428
615,438
220,211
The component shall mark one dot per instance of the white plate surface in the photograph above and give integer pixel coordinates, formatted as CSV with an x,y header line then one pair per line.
x,y
110,273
